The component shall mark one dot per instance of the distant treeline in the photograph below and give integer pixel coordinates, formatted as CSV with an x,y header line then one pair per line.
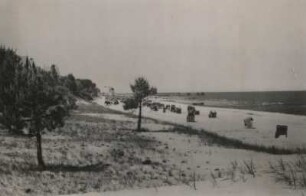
x,y
12,65
24,86
83,88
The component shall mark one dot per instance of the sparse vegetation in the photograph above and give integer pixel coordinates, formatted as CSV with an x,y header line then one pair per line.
x,y
87,154
210,138
293,173
249,167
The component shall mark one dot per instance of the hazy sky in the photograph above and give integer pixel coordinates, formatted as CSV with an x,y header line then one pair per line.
x,y
179,45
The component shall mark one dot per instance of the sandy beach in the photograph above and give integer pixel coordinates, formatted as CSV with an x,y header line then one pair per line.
x,y
229,123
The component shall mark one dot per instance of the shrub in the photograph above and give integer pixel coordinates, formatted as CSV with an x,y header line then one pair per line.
x,y
130,104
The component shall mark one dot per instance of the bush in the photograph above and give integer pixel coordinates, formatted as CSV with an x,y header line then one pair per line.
x,y
130,104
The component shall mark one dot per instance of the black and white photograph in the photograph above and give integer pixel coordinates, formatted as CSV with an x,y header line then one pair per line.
x,y
152,97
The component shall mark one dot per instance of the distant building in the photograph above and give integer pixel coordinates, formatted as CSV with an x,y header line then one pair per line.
x,y
112,92
109,92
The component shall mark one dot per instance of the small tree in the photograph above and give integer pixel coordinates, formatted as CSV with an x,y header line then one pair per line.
x,y
31,98
141,89
45,105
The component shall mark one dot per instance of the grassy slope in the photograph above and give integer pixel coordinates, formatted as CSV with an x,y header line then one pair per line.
x,y
88,154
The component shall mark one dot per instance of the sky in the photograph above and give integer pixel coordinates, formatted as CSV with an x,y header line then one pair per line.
x,y
178,45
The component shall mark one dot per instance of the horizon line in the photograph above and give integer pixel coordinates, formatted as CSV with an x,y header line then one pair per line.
x,y
246,91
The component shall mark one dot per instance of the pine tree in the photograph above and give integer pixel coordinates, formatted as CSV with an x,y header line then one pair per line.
x,y
141,89
31,97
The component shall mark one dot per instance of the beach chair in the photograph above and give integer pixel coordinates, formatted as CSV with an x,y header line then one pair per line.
x,y
178,110
212,114
248,122
168,107
190,117
172,108
191,114
281,130
154,108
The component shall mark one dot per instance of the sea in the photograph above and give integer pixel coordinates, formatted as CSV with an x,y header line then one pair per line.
x,y
289,102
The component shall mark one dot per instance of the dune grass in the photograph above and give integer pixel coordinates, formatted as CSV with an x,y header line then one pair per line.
x,y
216,139
293,173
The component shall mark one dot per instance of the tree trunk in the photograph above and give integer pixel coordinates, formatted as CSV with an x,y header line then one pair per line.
x,y
139,116
40,160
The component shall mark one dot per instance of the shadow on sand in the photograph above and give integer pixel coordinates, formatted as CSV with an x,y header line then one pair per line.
x,y
75,168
